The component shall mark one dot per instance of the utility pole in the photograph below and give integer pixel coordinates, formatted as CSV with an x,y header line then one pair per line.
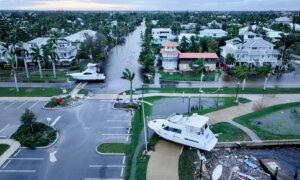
x,y
144,120
237,92
189,105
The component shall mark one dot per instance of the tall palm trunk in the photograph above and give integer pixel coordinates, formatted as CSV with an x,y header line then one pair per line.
x,y
16,80
26,68
244,83
131,92
53,68
40,68
265,84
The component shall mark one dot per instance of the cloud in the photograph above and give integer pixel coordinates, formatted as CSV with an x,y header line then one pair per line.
x,y
151,4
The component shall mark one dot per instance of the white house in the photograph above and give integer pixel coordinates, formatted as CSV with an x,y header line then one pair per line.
x,y
187,35
169,56
246,29
250,35
255,51
3,54
66,51
189,26
274,35
284,20
214,24
37,42
162,35
80,36
297,26
214,33
154,22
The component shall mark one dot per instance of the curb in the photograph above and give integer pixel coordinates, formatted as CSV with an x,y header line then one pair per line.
x,y
257,144
67,107
108,154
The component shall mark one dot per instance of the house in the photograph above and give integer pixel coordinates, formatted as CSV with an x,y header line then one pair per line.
x,y
169,56
214,33
297,26
185,60
114,23
249,35
274,35
80,37
189,26
187,35
246,29
214,24
254,51
162,35
66,51
284,20
154,22
3,54
37,42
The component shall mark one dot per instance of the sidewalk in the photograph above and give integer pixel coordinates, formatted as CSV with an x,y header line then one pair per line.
x,y
163,162
14,145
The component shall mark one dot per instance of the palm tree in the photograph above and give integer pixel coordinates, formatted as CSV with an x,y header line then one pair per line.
x,y
37,57
283,43
241,73
24,53
12,61
50,53
265,70
128,75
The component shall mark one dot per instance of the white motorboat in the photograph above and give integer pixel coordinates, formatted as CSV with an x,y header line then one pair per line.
x,y
190,131
90,74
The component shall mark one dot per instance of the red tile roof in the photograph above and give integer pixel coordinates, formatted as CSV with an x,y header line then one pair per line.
x,y
170,44
198,56
162,51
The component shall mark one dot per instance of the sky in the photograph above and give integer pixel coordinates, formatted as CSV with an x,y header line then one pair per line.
x,y
164,5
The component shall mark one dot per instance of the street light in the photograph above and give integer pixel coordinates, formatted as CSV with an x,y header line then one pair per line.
x,y
48,120
237,93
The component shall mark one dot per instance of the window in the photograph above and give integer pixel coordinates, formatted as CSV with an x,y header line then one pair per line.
x,y
167,128
254,47
87,73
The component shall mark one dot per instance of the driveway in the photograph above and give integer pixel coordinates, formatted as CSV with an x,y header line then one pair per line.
x,y
73,157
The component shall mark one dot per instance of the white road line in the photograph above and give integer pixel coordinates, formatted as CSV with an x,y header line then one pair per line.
x,y
115,134
111,120
17,171
33,105
127,139
122,171
3,136
124,158
4,128
22,104
107,166
103,178
10,105
52,157
55,121
6,164
32,159
2,102
19,150
115,127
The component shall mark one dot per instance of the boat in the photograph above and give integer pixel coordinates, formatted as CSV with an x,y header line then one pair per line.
x,y
90,74
187,130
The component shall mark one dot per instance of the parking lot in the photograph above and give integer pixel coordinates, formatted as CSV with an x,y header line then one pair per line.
x,y
81,129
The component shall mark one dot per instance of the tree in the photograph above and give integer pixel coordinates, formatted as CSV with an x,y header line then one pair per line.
x,y
128,75
265,70
24,53
12,61
230,59
241,73
213,45
28,119
184,44
50,53
283,43
195,44
37,57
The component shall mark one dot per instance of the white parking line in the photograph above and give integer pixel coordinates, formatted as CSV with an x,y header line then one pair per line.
x,y
14,102
22,104
31,159
122,171
33,105
19,150
107,166
115,134
4,128
111,120
124,158
55,121
115,127
6,164
17,171
103,178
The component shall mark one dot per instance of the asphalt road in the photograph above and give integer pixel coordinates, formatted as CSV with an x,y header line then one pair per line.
x,y
73,157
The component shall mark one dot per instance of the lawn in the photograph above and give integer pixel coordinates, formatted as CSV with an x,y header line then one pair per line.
x,y
29,92
249,120
186,164
229,133
112,148
225,90
3,148
186,76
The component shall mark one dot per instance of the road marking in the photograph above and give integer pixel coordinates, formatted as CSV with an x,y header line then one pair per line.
x,y
103,179
17,171
33,105
10,105
115,134
122,170
115,127
19,150
55,121
2,102
110,120
32,159
127,139
52,157
6,164
4,128
3,136
124,159
22,104
107,166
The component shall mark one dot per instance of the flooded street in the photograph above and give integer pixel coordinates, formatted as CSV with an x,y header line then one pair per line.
x,y
121,57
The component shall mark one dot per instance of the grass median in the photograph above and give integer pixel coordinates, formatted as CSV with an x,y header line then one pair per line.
x,y
186,76
229,133
3,148
29,92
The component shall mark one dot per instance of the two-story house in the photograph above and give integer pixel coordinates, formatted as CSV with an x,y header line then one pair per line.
x,y
162,35
254,51
169,56
65,50
79,37
214,33
37,42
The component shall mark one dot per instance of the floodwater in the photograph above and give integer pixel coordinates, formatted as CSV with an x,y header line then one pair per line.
x,y
286,122
121,57
167,106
